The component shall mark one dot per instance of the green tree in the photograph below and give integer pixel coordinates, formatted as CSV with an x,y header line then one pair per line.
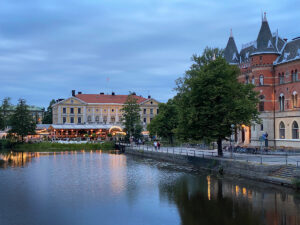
x,y
48,114
2,127
22,123
211,99
131,117
165,123
5,111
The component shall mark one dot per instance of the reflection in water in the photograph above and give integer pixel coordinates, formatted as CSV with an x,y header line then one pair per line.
x,y
92,187
224,202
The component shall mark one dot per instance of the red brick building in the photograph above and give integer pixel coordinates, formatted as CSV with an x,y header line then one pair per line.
x,y
272,64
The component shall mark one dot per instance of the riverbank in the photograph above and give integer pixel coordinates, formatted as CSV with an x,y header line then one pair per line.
x,y
285,175
57,147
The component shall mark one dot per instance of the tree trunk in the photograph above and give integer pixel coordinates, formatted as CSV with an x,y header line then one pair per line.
x,y
220,151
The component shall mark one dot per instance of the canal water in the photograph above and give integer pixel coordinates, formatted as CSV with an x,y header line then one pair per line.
x,y
87,188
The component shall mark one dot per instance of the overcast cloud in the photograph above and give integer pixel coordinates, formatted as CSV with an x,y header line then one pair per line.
x,y
49,47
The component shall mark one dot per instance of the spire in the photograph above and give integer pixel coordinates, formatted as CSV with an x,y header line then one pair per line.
x,y
265,17
231,53
265,41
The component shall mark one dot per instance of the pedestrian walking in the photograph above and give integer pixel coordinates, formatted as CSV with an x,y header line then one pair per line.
x,y
158,145
155,145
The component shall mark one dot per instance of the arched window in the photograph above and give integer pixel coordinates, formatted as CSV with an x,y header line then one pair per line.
x,y
295,130
293,76
89,119
261,80
261,106
281,78
281,102
281,130
295,99
253,80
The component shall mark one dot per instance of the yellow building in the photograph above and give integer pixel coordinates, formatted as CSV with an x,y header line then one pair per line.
x,y
96,113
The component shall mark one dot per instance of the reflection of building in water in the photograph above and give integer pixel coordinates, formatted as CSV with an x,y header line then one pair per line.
x,y
18,159
117,168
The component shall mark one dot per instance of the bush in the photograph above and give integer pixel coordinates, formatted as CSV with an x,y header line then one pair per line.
x,y
296,183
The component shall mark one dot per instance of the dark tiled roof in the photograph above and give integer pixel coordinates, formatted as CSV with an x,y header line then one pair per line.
x,y
290,52
246,52
231,53
265,41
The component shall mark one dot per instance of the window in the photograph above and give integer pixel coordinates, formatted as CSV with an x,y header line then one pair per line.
x,y
261,80
79,110
151,102
247,79
97,118
112,110
145,120
72,120
281,78
104,119
64,110
295,130
253,80
151,111
295,99
112,119
89,119
64,119
261,127
145,111
261,106
281,130
72,110
260,59
294,76
157,111
79,119
281,102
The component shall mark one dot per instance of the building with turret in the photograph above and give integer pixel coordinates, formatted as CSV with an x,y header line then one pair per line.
x,y
271,63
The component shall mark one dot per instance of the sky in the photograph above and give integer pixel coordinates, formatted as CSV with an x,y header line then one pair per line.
x,y
50,47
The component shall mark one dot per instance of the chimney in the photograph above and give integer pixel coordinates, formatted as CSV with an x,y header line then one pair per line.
x,y
73,93
149,96
113,93
101,93
79,92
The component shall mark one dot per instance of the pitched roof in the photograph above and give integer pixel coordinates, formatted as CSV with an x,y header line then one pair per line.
x,y
100,98
265,41
290,52
231,53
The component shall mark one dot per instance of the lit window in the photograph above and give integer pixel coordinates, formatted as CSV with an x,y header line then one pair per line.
x,y
281,130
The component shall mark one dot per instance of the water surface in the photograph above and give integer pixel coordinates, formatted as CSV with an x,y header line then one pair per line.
x,y
83,188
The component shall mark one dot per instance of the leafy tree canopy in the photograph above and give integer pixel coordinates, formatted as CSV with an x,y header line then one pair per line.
x,y
5,112
211,99
48,114
22,123
131,117
165,123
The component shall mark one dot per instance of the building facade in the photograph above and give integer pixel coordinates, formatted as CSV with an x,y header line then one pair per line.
x,y
97,113
272,64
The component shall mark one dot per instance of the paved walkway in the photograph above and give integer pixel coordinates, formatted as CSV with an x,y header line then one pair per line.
x,y
269,159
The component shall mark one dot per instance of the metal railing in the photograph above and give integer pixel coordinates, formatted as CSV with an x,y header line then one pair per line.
x,y
267,159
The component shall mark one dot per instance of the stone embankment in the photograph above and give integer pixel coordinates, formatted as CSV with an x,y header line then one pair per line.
x,y
277,174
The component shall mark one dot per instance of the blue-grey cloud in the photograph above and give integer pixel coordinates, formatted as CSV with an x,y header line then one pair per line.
x,y
49,47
